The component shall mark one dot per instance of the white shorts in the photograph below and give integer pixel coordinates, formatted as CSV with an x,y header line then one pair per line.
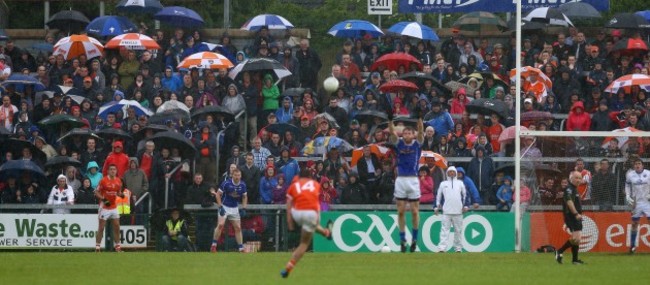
x,y
106,214
407,188
642,210
307,219
232,213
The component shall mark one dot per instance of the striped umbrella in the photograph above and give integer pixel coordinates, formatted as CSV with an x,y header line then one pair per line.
x,y
270,21
630,45
415,30
547,15
480,22
355,29
73,46
206,60
527,71
627,81
132,41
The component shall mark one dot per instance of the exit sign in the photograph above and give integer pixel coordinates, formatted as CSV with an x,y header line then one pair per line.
x,y
380,7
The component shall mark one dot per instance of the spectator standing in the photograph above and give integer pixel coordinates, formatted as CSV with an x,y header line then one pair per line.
x,y
309,65
61,194
602,192
267,183
118,158
481,171
504,195
451,199
355,192
578,119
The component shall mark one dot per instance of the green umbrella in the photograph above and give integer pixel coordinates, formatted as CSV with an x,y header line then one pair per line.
x,y
480,23
55,120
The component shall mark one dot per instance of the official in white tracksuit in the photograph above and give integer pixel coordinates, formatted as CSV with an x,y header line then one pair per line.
x,y
452,198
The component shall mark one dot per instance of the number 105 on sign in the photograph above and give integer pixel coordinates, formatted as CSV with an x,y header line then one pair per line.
x,y
133,236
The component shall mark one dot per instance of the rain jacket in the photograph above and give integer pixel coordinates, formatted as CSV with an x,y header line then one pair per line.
x,y
452,195
234,104
481,170
270,94
171,83
473,197
135,179
94,178
578,122
121,160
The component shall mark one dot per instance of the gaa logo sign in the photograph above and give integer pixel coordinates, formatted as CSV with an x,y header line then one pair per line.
x,y
370,232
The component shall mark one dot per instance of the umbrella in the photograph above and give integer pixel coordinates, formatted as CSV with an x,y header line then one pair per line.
x,y
327,117
77,132
123,105
76,98
355,29
321,145
132,41
622,141
369,116
525,25
173,139
488,106
534,116
172,105
206,60
380,151
480,22
38,97
392,61
482,76
139,6
55,120
281,129
44,47
455,85
548,15
16,169
419,78
293,92
113,134
270,21
405,120
62,161
627,81
16,146
579,10
110,26
65,90
212,110
526,71
261,65
509,134
73,46
441,161
172,115
21,79
627,21
68,20
645,14
396,85
151,127
179,16
630,45
415,30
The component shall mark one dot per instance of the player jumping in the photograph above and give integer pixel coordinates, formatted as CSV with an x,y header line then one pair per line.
x,y
637,190
572,210
303,208
235,191
109,188
407,184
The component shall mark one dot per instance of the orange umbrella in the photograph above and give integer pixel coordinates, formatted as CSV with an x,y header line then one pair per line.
x,y
132,41
441,161
527,71
380,151
76,45
205,60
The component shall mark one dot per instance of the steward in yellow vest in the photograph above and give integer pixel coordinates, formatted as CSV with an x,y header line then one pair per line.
x,y
176,233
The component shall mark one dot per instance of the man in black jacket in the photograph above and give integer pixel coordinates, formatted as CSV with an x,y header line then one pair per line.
x,y
367,166
251,176
196,194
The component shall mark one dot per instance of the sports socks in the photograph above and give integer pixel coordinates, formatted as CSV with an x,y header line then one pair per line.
x,y
574,251
290,265
402,236
241,247
415,234
214,242
564,247
633,238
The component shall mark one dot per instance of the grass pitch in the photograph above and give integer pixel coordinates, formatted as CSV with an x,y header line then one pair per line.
x,y
320,268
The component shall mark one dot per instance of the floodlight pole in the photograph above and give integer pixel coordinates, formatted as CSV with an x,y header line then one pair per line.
x,y
517,183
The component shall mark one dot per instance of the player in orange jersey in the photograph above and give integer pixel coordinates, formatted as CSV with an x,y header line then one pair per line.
x,y
303,208
110,187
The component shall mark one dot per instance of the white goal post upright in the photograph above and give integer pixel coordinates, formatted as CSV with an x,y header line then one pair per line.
x,y
517,129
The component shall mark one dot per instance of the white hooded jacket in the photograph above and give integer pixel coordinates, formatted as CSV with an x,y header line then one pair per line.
x,y
451,194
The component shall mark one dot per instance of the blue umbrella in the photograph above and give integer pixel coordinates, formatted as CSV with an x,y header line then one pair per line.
x,y
355,29
645,14
179,16
270,21
45,47
110,26
415,30
19,79
321,145
139,6
3,35
122,105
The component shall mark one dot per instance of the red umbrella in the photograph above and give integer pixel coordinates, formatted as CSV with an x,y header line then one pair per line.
x,y
509,134
441,161
630,45
627,81
393,61
398,84
380,151
132,41
76,45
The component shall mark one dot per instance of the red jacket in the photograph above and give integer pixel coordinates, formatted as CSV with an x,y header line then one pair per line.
x,y
120,159
578,122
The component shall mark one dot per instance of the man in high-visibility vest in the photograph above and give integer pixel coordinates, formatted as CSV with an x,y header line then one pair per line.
x,y
124,207
176,233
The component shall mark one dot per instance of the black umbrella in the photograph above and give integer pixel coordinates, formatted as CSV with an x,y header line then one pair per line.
x,y
84,134
627,21
488,106
212,110
143,6
525,25
419,78
113,133
56,120
401,119
171,139
16,146
281,129
62,161
266,65
68,20
369,116
152,127
16,169
171,115
294,92
579,10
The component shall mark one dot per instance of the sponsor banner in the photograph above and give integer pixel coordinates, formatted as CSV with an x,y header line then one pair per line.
x,y
464,6
370,231
47,231
602,232
132,237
